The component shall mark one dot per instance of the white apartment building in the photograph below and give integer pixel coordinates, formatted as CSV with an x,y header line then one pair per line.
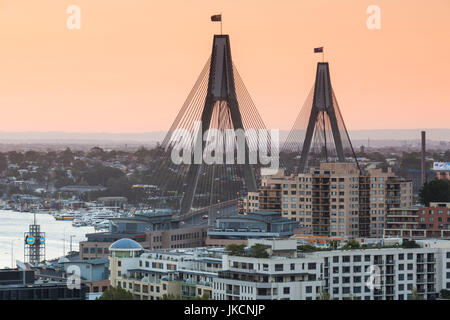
x,y
395,272
343,274
275,278
151,274
363,274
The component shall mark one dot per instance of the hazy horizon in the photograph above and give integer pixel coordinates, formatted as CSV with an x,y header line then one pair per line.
x,y
158,135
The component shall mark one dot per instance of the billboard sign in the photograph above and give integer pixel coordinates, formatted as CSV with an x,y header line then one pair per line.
x,y
441,166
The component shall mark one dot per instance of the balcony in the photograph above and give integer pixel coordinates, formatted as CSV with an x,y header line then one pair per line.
x,y
389,262
232,292
420,270
378,261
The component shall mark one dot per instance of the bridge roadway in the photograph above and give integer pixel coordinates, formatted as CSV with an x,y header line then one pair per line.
x,y
219,210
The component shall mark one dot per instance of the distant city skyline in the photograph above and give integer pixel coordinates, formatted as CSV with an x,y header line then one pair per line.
x,y
132,64
154,136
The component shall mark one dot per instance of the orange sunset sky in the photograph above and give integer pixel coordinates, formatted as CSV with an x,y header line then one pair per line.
x,y
133,63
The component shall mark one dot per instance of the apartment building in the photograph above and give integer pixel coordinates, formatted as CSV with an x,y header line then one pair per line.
x,y
369,274
336,199
279,277
152,274
363,274
394,273
419,222
249,204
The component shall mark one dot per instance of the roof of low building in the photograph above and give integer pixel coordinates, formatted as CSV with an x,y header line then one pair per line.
x,y
125,244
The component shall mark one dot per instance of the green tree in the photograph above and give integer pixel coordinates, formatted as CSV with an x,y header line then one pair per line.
x,y
307,248
15,157
116,293
410,244
444,294
435,191
3,163
334,244
236,249
324,295
415,295
353,244
259,251
31,156
99,175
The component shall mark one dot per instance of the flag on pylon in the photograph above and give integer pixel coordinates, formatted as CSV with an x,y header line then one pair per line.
x,y
320,49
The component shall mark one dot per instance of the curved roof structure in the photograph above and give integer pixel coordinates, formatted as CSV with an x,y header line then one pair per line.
x,y
125,244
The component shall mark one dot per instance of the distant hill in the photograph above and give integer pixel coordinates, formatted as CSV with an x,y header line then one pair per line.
x,y
387,137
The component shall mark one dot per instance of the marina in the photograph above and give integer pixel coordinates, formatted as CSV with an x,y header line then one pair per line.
x,y
59,235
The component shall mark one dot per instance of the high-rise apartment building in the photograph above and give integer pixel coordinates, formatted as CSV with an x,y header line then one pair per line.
x,y
336,199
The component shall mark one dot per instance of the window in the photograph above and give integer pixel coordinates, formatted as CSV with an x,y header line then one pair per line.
x,y
286,290
278,267
356,269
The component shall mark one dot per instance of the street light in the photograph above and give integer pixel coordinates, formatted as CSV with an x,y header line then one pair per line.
x,y
12,252
71,236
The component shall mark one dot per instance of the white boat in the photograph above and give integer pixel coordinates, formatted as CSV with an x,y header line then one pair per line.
x,y
103,213
102,225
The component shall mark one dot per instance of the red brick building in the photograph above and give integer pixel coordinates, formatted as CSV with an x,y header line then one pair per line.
x,y
419,222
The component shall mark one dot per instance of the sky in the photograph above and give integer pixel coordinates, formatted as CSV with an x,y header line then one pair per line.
x,y
132,63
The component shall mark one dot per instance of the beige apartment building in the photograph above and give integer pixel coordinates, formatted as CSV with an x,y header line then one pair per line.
x,y
335,199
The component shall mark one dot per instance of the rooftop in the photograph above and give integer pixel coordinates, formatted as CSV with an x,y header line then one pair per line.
x,y
125,244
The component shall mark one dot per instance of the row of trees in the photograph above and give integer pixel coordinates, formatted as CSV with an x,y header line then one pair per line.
x,y
256,251
119,293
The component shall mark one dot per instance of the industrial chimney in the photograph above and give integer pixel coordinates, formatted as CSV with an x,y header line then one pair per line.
x,y
424,173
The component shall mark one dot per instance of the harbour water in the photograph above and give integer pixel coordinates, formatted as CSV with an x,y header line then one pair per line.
x,y
13,225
